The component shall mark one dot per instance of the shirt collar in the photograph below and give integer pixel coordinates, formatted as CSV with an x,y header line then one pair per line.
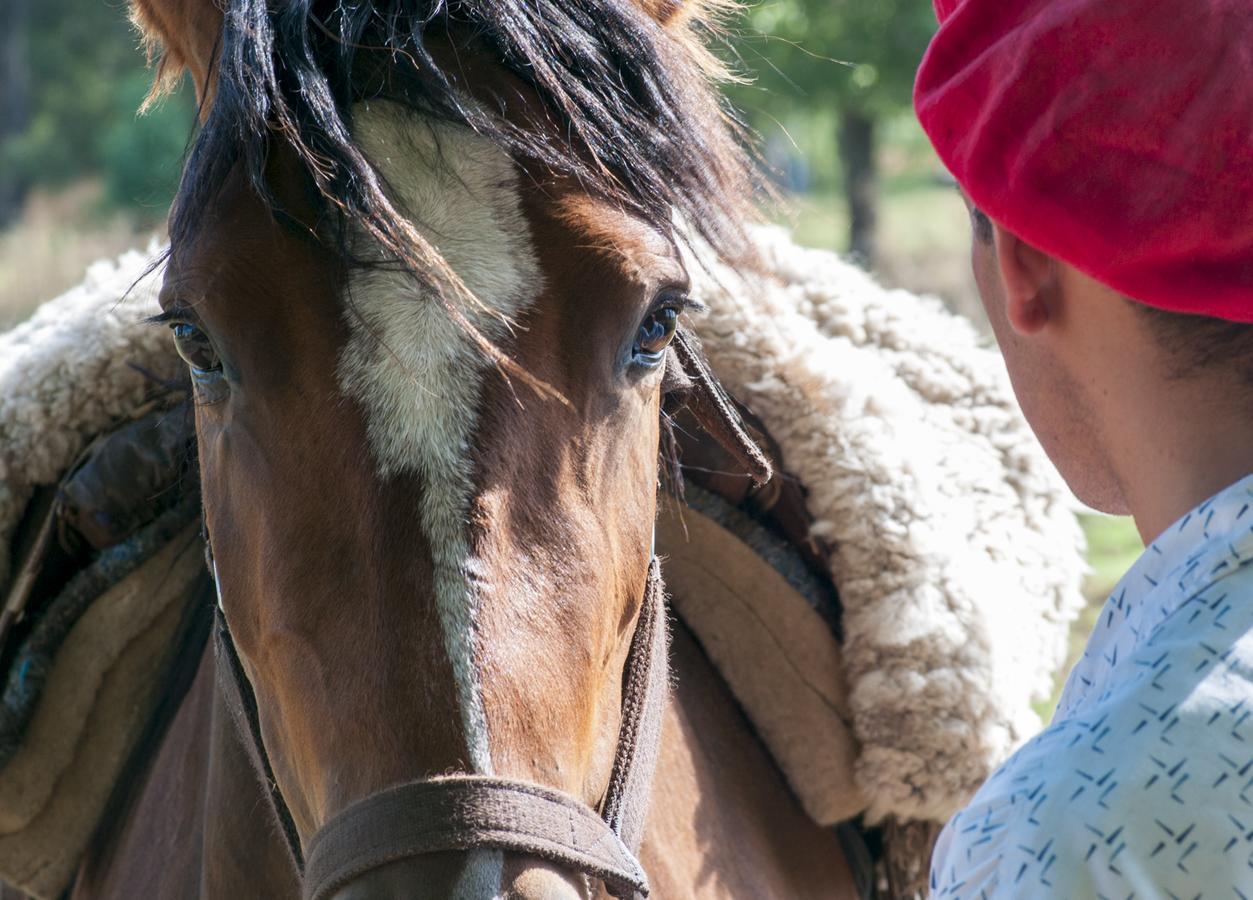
x,y
1199,549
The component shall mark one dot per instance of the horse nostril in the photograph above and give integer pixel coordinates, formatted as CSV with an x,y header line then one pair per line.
x,y
473,875
526,880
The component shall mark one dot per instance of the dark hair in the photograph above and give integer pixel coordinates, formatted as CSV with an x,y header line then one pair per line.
x,y
1196,343
633,113
1193,343
981,225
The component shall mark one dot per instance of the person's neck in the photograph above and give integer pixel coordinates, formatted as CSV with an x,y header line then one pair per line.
x,y
1175,444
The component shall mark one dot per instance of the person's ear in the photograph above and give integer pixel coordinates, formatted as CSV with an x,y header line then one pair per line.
x,y
1029,277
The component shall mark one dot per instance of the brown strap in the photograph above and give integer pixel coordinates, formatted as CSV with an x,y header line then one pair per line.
x,y
463,812
242,707
644,696
715,410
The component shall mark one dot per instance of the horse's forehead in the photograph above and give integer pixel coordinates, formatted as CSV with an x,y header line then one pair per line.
x,y
413,367
632,249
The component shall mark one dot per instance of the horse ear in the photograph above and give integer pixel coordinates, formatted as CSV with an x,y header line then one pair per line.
x,y
678,14
664,12
181,35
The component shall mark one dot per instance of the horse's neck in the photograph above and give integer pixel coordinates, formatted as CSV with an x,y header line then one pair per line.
x,y
199,825
779,505
722,821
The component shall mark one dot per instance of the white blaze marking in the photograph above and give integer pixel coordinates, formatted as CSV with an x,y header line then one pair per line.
x,y
413,369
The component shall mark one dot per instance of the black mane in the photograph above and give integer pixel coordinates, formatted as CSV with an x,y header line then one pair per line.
x,y
636,119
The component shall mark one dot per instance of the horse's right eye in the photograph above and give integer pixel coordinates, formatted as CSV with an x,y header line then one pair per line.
x,y
655,334
196,349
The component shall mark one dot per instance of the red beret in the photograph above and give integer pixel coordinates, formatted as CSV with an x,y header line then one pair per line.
x,y
1116,135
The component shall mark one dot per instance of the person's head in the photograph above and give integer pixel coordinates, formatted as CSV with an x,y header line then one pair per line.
x,y
1106,155
1064,336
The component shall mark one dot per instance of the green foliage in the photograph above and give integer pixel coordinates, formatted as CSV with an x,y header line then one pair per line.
x,y
142,156
809,60
87,79
88,76
859,54
1113,545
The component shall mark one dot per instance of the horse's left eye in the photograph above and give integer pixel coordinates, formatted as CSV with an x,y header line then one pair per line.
x,y
655,334
196,349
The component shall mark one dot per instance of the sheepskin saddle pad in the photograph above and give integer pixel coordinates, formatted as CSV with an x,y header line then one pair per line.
x,y
950,540
100,552
890,676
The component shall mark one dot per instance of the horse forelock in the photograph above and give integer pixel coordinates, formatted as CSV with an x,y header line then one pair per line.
x,y
626,88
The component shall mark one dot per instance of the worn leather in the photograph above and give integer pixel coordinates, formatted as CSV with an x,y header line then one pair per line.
x,y
126,477
463,812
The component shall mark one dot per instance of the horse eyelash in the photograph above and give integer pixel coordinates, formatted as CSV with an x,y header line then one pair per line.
x,y
683,303
171,316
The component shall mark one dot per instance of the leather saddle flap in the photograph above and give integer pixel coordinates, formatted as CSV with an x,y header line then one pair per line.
x,y
772,646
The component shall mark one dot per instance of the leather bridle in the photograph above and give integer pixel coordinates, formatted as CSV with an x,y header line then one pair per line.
x,y
463,812
466,811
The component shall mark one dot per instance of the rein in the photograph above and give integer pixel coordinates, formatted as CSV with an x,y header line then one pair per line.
x,y
467,811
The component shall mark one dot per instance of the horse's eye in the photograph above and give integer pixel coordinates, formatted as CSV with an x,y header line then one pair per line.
x,y
655,334
196,349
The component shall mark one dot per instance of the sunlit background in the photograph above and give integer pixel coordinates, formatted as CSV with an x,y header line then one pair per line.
x,y
825,85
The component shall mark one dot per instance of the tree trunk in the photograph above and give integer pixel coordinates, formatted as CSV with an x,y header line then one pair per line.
x,y
861,185
14,99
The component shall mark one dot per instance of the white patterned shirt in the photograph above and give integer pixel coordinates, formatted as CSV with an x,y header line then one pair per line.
x,y
1142,786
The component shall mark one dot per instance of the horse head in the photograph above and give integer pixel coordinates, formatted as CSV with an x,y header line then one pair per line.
x,y
425,272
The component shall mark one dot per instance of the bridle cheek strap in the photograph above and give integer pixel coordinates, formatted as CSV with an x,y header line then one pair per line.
x,y
645,690
465,812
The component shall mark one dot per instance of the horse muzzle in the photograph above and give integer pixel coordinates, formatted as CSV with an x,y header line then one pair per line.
x,y
377,846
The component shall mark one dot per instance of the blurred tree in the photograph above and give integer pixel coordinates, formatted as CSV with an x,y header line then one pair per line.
x,y
141,156
15,94
82,61
857,56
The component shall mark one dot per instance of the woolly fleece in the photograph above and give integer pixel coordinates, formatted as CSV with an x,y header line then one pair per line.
x,y
67,373
958,556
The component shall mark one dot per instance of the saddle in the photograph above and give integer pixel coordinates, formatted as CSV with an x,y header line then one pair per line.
x,y
101,567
